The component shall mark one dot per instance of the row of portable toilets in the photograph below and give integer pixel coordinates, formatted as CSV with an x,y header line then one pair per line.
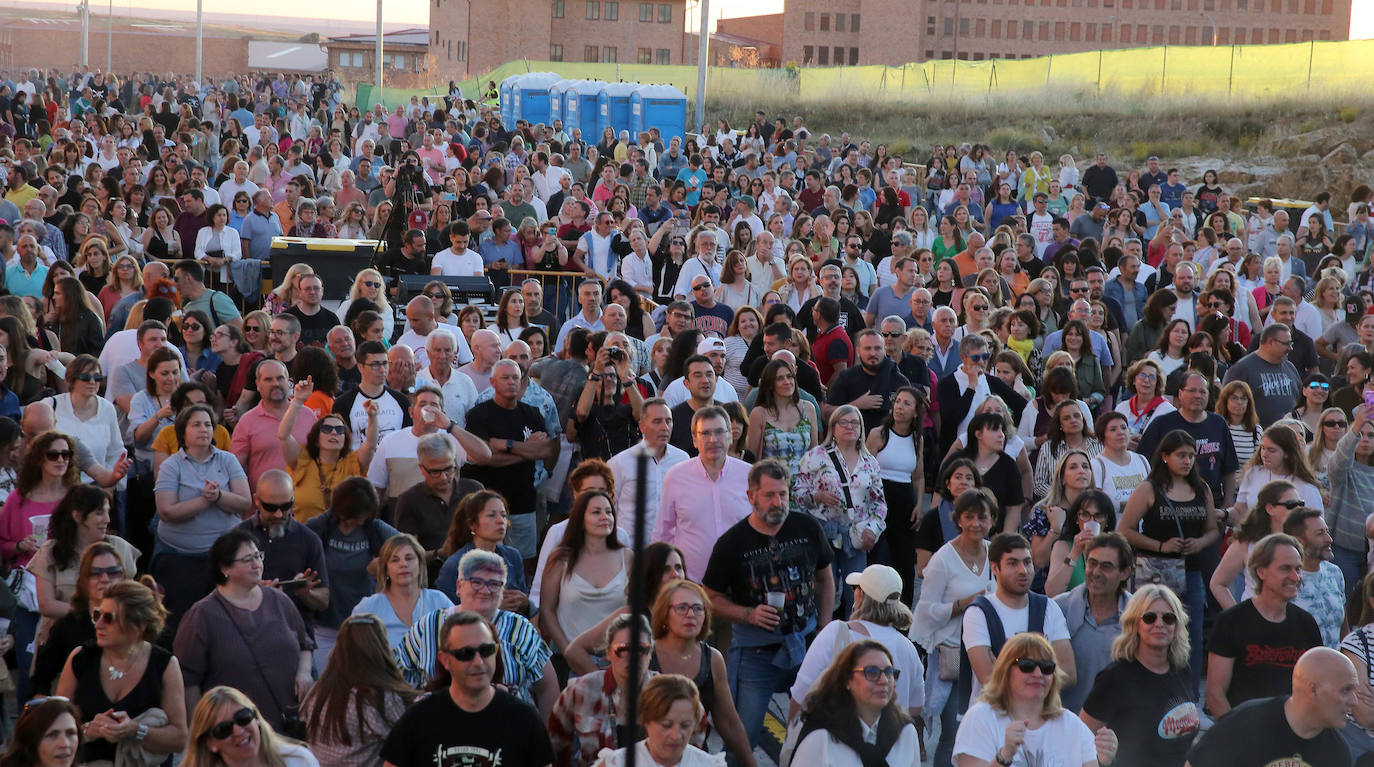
x,y
592,105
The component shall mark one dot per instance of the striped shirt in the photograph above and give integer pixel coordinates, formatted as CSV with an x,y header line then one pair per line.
x,y
523,651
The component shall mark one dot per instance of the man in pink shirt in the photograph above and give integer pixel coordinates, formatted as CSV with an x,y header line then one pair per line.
x,y
703,497
432,158
255,437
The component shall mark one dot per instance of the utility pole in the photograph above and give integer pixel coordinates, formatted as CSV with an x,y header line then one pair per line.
x,y
379,53
85,32
200,39
109,40
1213,22
703,56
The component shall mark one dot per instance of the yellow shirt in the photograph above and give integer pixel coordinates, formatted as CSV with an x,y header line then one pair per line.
x,y
21,196
166,440
315,482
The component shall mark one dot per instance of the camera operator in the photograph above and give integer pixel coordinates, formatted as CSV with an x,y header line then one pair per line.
x,y
607,417
412,199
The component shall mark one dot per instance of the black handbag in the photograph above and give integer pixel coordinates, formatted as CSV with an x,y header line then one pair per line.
x,y
292,725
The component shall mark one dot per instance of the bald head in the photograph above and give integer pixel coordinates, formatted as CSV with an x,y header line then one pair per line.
x,y
274,485
1324,684
38,418
1320,664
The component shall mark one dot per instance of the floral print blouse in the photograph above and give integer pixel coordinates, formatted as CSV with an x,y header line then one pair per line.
x,y
818,474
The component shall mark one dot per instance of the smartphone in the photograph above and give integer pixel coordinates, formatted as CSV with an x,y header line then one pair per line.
x,y
294,583
1369,398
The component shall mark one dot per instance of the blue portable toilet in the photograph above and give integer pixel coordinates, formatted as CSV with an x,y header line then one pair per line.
x,y
507,101
556,100
579,108
658,106
532,97
613,107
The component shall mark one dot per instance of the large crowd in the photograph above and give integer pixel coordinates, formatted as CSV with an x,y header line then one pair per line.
x,y
971,459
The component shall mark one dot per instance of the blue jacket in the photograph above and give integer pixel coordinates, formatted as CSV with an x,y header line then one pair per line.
x,y
1114,290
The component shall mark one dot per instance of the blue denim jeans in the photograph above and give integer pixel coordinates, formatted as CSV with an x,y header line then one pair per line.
x,y
1352,564
753,680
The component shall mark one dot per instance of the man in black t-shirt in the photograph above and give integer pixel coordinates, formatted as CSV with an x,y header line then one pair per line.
x,y
1216,453
1288,731
769,575
471,723
868,385
516,434
316,321
1256,644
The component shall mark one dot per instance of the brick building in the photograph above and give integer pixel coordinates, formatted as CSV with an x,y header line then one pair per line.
x,y
468,38
157,47
849,32
404,52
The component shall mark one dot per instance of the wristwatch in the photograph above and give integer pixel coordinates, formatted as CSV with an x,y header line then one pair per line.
x,y
998,757
142,733
510,445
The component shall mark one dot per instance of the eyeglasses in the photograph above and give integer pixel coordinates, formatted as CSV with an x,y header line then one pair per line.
x,y
702,286
686,608
371,284
848,422
111,570
90,377
272,508
1079,290
1334,424
333,428
437,296
100,616
378,365
466,654
1292,505
58,455
256,556
624,650
984,357
1149,618
252,329
480,584
193,326
876,673
979,307
439,472
1028,665
713,433
243,717
1319,385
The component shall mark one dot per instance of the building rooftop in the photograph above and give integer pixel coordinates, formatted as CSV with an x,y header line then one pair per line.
x,y
412,36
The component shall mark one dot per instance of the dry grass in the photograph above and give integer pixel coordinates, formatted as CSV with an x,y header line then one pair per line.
x,y
1077,123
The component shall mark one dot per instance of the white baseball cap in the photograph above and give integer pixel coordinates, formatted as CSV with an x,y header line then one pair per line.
x,y
878,582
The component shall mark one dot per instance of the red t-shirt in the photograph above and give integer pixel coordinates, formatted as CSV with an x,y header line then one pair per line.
x,y
830,347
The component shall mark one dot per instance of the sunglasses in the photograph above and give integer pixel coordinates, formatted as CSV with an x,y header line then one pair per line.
x,y
56,455
243,717
876,673
465,654
111,570
1318,385
1027,665
1296,503
623,650
252,329
90,377
334,428
372,284
43,699
980,357
272,508
100,616
979,307
1334,424
1149,618
192,326
892,334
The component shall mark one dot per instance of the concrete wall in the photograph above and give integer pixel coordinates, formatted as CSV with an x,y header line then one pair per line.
x,y
59,45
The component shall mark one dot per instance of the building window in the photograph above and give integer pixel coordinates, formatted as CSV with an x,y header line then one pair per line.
x,y
825,22
809,21
1044,31
555,52
808,54
558,9
1175,35
608,54
1076,31
1106,33
612,11
1027,30
930,27
949,26
854,18
593,9
825,56
963,27
590,53
645,55
853,56
1011,30
1242,5
981,28
930,54
1190,36
1059,30
665,14
839,22
1157,33
646,13
662,56
839,56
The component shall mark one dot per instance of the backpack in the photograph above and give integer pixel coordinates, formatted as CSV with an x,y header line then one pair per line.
x,y
997,637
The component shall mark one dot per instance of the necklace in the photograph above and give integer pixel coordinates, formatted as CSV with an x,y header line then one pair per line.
x,y
116,674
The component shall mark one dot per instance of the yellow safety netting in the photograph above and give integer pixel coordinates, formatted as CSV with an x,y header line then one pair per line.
x,y
1293,70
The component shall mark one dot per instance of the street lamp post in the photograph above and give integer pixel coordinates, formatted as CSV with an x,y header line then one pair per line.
x,y
1213,22
379,52
200,38
85,9
703,55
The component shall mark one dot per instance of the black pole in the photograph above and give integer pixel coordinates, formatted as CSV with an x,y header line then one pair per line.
x,y
637,610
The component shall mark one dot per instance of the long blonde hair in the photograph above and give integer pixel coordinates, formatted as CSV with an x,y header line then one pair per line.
x,y
198,753
355,291
286,290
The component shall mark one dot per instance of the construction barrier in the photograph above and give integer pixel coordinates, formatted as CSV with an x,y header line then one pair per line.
x,y
1242,72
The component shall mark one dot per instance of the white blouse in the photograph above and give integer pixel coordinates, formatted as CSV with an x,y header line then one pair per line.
x,y
947,579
